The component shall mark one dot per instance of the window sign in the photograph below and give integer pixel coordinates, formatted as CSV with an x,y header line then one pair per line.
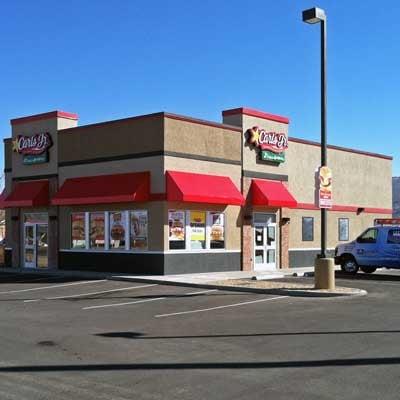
x,y
117,229
217,230
78,231
197,229
343,229
176,223
97,227
138,230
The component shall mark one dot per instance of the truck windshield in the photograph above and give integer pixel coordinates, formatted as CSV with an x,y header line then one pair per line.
x,y
369,236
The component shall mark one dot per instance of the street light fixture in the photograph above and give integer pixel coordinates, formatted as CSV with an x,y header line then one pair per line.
x,y
324,268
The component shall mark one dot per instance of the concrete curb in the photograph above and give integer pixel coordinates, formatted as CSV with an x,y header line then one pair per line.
x,y
279,292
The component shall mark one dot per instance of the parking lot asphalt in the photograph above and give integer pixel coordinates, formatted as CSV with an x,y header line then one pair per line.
x,y
99,339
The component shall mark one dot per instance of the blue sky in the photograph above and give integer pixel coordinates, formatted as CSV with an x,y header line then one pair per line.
x,y
112,59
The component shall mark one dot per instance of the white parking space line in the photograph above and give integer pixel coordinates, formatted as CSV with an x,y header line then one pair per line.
x,y
123,304
219,307
53,287
203,291
91,294
143,301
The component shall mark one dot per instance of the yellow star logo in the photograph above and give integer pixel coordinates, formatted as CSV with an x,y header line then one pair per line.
x,y
15,145
254,135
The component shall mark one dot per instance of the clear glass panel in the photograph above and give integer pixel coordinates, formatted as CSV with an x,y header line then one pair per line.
x,y
270,256
197,230
36,218
138,230
29,235
96,230
29,255
259,236
78,231
264,218
270,235
42,246
176,223
307,229
117,227
259,259
217,231
343,229
368,236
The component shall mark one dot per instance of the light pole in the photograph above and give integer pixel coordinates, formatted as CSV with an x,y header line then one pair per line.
x,y
324,267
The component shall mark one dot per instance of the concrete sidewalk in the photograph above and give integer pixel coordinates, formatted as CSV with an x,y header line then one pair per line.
x,y
209,277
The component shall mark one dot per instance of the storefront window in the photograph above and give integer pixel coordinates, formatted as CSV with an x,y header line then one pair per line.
x,y
97,227
176,222
36,218
117,229
308,229
138,230
217,240
343,229
78,240
197,230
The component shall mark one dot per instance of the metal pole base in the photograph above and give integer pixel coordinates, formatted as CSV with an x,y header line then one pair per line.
x,y
324,273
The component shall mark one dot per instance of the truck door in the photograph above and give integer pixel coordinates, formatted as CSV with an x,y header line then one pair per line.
x,y
367,248
392,248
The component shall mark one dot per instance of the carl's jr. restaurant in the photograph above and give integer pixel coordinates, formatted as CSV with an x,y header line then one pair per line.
x,y
167,194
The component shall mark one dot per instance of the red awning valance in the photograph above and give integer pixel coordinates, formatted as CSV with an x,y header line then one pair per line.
x,y
201,188
271,194
2,198
28,194
102,189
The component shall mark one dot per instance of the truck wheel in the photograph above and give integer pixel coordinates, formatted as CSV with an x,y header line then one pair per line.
x,y
349,265
368,270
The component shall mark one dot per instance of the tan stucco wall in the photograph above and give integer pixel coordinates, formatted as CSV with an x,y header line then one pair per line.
x,y
152,164
204,167
50,125
357,224
358,180
110,139
192,138
155,221
232,221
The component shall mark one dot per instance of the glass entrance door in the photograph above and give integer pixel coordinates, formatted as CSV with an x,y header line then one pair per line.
x,y
264,245
29,246
35,245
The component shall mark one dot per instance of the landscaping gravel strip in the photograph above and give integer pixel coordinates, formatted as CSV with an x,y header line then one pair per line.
x,y
290,288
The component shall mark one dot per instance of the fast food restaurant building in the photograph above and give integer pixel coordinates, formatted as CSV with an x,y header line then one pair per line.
x,y
164,193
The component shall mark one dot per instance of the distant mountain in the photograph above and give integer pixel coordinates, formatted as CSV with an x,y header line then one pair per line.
x,y
396,196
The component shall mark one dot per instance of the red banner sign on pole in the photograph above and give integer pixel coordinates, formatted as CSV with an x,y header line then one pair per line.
x,y
325,187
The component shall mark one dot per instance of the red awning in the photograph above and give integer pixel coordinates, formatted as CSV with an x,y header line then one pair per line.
x,y
271,194
201,188
28,194
102,189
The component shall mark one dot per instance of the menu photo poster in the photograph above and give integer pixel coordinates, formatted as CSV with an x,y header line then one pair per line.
x,y
176,222
198,226
138,224
217,226
117,229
